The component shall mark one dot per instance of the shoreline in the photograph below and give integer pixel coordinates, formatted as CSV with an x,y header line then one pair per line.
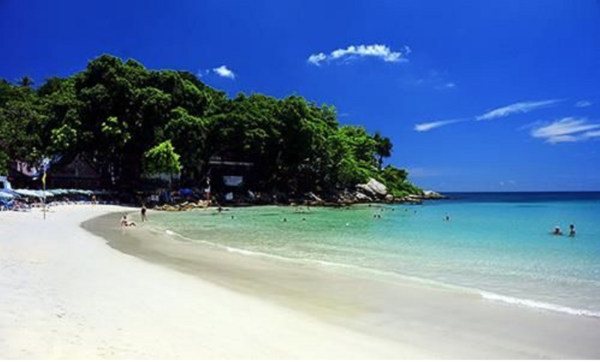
x,y
375,306
65,294
375,274
148,295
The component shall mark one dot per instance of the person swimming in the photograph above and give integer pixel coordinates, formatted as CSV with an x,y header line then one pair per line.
x,y
572,231
557,231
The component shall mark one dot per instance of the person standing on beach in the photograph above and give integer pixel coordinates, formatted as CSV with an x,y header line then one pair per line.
x,y
144,218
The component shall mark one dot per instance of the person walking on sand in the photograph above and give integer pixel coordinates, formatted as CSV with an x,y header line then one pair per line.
x,y
144,218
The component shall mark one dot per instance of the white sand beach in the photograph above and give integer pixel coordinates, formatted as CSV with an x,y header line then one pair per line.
x,y
65,294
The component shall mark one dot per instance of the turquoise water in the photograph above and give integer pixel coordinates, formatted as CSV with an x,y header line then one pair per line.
x,y
498,245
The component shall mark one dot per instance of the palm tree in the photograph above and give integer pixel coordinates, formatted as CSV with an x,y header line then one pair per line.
x,y
26,82
383,148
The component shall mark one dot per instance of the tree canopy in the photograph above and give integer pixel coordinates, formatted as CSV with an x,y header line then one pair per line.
x,y
127,120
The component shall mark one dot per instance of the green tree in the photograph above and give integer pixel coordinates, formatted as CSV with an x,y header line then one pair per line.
x,y
162,159
26,82
127,120
4,159
188,135
383,148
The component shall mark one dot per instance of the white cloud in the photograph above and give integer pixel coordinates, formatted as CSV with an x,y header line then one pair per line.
x,y
435,79
448,85
202,72
224,72
316,59
424,127
568,129
380,51
583,103
521,107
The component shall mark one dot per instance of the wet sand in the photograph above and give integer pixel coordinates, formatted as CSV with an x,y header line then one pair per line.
x,y
64,294
439,322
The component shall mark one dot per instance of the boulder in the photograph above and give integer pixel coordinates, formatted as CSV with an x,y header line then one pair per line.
x,y
389,198
312,197
432,195
373,188
360,197
413,199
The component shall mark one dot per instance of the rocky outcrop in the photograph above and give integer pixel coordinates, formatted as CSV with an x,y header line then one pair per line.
x,y
185,206
432,195
410,199
313,199
373,188
360,197
371,192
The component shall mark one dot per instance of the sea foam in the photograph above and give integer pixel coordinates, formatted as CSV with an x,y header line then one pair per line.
x,y
539,305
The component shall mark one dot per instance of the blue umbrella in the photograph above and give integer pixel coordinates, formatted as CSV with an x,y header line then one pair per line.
x,y
186,192
6,195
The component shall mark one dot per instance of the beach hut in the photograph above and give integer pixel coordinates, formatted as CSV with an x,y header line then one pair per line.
x,y
229,173
74,174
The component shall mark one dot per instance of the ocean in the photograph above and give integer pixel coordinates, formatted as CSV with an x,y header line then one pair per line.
x,y
496,244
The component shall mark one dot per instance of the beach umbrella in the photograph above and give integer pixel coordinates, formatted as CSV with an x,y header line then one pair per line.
x,y
102,193
6,195
186,192
46,194
27,193
58,192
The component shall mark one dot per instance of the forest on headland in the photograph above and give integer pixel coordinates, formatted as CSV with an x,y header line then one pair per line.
x,y
128,122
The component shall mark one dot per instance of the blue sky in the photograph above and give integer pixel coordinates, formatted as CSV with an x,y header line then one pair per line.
x,y
476,95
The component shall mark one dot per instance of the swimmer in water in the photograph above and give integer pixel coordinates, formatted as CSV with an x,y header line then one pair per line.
x,y
572,231
557,231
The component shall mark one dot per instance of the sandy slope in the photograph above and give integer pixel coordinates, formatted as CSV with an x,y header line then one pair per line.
x,y
65,294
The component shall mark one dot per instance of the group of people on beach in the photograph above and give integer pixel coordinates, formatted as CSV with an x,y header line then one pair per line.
x,y
125,222
558,232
